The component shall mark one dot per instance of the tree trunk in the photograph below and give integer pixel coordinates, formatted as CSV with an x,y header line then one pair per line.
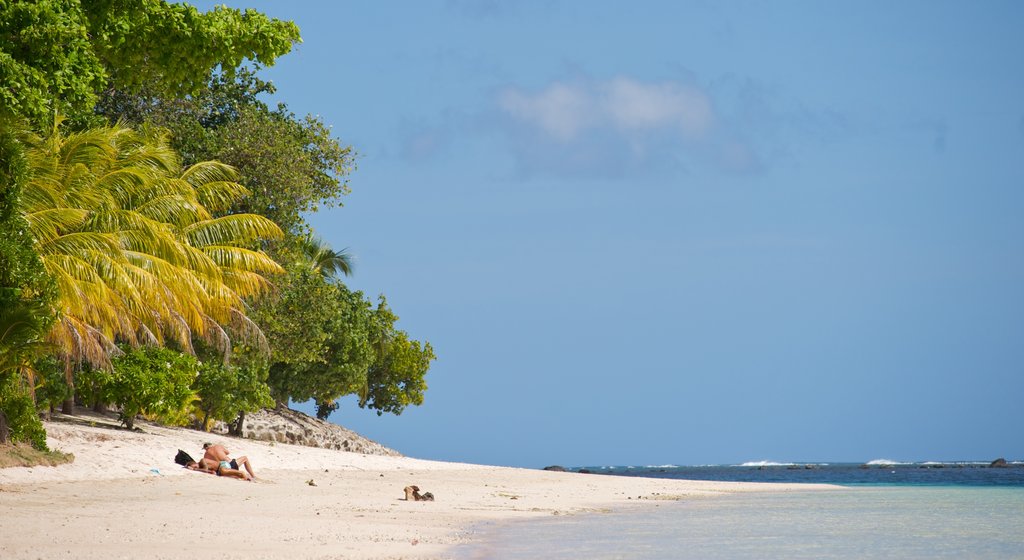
x,y
4,430
98,406
69,378
235,428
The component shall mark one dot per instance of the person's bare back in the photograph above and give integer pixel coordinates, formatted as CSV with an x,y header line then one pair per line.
x,y
216,451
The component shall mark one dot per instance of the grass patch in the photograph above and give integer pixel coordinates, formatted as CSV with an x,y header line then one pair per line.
x,y
23,455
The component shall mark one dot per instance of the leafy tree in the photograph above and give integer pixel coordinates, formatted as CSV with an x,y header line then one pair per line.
x,y
299,320
151,380
47,62
328,341
349,353
58,54
227,392
393,378
291,165
396,377
366,356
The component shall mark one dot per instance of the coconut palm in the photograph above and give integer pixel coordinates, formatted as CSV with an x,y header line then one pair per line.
x,y
325,260
132,243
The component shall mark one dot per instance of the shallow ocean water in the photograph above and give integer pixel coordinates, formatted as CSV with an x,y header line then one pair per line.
x,y
863,522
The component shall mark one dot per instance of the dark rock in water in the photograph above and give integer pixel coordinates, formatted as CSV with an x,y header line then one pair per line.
x,y
810,467
555,468
999,463
584,471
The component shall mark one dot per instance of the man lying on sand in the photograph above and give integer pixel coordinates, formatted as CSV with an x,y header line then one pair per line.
x,y
217,452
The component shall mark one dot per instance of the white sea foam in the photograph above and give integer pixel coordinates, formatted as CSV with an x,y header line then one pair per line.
x,y
884,462
662,467
766,464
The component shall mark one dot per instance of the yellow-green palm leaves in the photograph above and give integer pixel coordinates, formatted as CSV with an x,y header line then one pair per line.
x,y
133,244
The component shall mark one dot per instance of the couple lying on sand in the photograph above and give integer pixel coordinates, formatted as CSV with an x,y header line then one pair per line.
x,y
217,460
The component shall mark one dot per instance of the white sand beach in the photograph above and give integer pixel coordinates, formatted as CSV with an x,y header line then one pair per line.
x,y
124,497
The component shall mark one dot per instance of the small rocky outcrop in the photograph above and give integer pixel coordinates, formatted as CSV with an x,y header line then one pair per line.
x,y
290,426
555,468
999,463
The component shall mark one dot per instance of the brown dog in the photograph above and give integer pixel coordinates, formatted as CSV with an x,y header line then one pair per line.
x,y
412,494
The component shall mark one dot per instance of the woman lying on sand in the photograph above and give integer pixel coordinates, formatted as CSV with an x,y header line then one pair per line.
x,y
210,466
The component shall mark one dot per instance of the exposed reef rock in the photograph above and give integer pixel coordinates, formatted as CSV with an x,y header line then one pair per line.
x,y
290,426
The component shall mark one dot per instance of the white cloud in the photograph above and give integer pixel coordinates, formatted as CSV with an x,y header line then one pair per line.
x,y
561,110
635,105
623,105
625,126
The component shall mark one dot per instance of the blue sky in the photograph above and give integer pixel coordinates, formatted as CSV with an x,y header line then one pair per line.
x,y
683,232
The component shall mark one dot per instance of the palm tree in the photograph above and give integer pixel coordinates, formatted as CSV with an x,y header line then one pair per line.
x,y
323,259
134,248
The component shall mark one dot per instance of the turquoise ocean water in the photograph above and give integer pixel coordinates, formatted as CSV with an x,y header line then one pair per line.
x,y
981,518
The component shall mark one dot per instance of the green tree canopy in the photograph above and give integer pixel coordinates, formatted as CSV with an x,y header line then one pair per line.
x,y
56,55
291,165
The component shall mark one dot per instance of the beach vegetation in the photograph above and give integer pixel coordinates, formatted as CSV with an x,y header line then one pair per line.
x,y
58,55
50,388
136,270
153,381
227,392
130,240
22,332
19,421
396,378
292,165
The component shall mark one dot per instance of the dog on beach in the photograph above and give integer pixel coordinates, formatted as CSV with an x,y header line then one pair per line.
x,y
412,494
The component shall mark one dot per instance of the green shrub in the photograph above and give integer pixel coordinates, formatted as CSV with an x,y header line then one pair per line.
x,y
152,381
51,386
91,385
22,419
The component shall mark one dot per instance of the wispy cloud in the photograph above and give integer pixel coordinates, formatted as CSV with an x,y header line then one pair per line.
x,y
566,110
618,125
627,127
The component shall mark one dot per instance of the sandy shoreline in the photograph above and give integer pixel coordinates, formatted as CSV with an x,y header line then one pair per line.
x,y
124,497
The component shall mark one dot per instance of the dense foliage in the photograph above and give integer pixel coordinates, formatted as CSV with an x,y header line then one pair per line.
x,y
291,165
227,392
152,381
128,243
57,55
22,328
